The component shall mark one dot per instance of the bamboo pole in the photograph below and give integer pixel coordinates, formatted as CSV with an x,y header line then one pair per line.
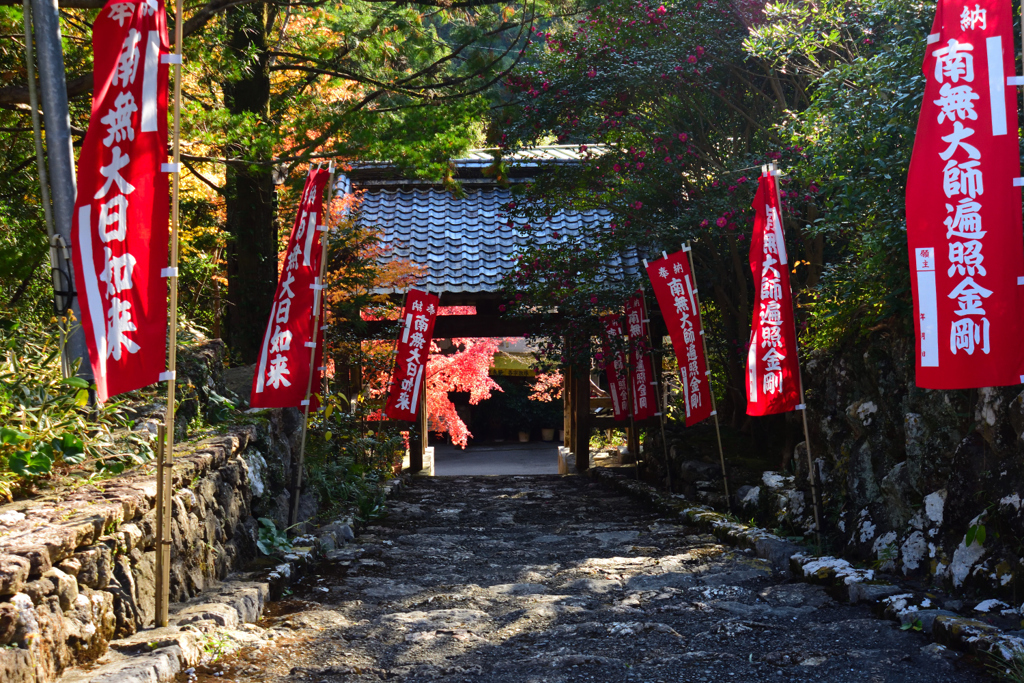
x,y
714,406
165,460
815,500
317,307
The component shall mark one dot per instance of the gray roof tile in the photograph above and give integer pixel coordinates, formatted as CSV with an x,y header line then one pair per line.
x,y
464,243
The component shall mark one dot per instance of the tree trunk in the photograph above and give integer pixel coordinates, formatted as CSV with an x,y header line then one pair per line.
x,y
250,194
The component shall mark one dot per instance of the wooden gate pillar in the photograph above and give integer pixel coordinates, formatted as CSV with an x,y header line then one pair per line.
x,y
581,417
567,421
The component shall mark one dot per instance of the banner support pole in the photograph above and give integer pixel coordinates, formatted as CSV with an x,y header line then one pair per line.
x,y
714,406
293,518
774,170
165,463
657,386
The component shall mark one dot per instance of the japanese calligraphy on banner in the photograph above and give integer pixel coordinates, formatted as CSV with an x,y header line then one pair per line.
x,y
615,365
645,398
773,375
964,205
676,293
120,222
284,366
411,357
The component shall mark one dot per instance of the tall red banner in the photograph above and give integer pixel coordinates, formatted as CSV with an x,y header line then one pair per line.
x,y
964,233
674,287
615,365
284,366
411,355
120,223
642,380
773,372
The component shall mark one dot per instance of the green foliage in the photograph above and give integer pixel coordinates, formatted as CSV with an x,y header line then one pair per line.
x,y
272,541
49,431
975,534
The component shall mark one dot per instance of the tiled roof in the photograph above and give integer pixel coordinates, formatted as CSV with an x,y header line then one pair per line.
x,y
465,243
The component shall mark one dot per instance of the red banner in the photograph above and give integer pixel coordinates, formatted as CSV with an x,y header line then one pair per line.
x,y
645,396
615,365
674,287
773,372
120,229
964,233
284,366
411,355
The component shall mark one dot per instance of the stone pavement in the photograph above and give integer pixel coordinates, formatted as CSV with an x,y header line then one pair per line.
x,y
552,579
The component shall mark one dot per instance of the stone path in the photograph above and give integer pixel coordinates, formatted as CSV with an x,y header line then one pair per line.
x,y
550,580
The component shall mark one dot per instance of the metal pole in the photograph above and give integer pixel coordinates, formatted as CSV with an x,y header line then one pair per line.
x,y
714,406
774,170
60,157
44,186
166,473
318,304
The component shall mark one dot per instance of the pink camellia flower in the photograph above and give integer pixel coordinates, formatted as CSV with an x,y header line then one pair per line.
x,y
641,154
593,299
740,237
714,183
705,223
617,168
662,10
742,179
733,188
721,222
640,166
692,59
683,137
667,160
501,308
699,51
813,187
638,206
592,73
519,297
555,235
732,226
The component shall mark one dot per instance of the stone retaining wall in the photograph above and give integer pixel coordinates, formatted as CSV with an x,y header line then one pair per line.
x,y
77,565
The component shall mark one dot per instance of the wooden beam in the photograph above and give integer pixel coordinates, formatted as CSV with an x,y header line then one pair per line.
x,y
449,326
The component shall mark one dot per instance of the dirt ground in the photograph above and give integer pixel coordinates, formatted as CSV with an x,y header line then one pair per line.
x,y
548,579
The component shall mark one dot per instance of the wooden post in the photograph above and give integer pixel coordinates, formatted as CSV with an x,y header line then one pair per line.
x,y
567,408
165,457
318,304
714,407
581,415
774,170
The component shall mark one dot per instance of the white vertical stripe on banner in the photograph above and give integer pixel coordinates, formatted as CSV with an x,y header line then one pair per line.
x,y
927,307
408,326
310,231
752,368
416,389
150,78
693,300
614,391
996,85
686,390
92,285
780,239
263,354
